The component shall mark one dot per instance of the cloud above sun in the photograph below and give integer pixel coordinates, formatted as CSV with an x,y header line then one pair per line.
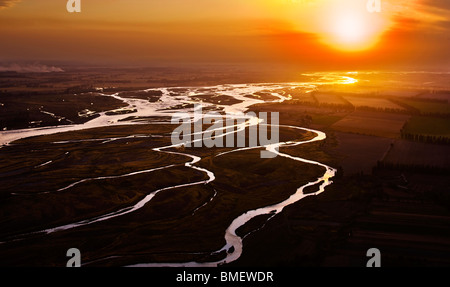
x,y
7,3
310,33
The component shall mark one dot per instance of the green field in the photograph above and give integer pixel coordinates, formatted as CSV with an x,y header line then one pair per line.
x,y
428,107
428,126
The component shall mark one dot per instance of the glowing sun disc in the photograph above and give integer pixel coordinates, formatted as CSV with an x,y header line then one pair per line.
x,y
352,28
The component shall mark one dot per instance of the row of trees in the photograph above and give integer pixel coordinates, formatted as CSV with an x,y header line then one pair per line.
x,y
385,110
422,168
434,139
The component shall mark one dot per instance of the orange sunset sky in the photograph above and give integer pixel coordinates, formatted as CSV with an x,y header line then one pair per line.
x,y
322,34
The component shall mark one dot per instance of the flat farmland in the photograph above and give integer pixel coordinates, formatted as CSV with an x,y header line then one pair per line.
x,y
378,103
440,95
402,93
414,153
330,99
293,114
360,153
428,107
429,126
372,123
326,120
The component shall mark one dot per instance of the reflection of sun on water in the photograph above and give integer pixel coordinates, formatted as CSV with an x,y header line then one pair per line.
x,y
348,81
334,78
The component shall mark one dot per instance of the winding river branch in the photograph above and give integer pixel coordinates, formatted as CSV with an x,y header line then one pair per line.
x,y
162,108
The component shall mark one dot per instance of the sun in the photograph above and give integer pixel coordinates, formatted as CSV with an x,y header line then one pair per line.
x,y
352,28
351,32
343,25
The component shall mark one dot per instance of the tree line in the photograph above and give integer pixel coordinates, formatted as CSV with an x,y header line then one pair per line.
x,y
421,168
433,139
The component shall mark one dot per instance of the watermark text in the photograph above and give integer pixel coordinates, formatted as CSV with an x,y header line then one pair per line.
x,y
73,6
232,130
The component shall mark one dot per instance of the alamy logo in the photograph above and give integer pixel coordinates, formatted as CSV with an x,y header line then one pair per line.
x,y
375,257
374,6
230,130
73,6
75,257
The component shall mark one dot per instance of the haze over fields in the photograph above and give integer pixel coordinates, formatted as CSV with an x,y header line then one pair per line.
x,y
315,34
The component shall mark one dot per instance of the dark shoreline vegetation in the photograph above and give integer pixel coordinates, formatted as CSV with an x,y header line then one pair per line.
x,y
390,192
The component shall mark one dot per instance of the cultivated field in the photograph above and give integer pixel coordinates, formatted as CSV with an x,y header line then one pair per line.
x,y
439,95
371,123
377,103
428,126
330,99
360,153
428,107
401,93
418,154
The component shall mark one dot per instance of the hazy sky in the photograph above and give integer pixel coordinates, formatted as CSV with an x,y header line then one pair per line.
x,y
332,34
